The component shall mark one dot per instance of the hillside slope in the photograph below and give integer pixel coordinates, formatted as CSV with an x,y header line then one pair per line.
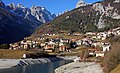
x,y
14,28
98,16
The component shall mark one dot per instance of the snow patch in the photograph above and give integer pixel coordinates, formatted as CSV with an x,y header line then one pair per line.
x,y
98,7
80,3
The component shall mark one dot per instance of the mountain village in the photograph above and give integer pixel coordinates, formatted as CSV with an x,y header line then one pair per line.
x,y
84,39
95,42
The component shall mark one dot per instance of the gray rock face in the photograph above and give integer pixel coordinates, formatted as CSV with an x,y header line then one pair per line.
x,y
17,21
40,13
109,10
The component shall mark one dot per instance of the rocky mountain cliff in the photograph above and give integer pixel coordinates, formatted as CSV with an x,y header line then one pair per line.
x,y
35,13
99,16
17,21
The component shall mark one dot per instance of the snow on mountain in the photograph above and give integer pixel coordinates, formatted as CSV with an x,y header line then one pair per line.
x,y
40,13
80,3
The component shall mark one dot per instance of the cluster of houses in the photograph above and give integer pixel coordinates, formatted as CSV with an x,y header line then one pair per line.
x,y
57,44
92,40
104,35
98,48
24,44
100,52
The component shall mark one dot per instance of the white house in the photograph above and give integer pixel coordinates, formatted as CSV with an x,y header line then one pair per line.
x,y
99,54
24,56
79,42
97,44
61,44
99,36
90,33
64,40
118,32
110,32
106,47
42,44
51,43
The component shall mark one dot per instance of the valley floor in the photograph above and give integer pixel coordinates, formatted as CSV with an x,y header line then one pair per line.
x,y
80,67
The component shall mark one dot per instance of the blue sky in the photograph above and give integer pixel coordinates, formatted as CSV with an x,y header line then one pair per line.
x,y
54,6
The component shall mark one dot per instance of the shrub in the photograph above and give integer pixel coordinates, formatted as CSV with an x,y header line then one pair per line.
x,y
112,58
4,46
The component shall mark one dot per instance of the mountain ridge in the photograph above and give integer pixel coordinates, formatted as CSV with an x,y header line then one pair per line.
x,y
99,16
18,22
